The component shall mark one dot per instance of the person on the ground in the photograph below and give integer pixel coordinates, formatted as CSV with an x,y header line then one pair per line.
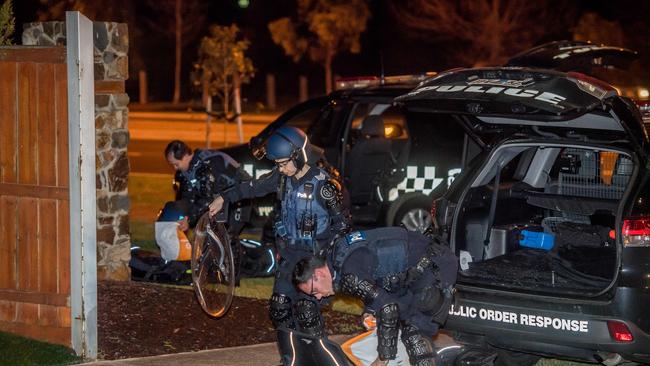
x,y
405,279
311,214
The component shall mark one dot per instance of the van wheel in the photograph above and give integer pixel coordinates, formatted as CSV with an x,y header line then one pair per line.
x,y
511,358
414,215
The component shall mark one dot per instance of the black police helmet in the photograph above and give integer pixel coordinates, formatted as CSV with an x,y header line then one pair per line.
x,y
288,143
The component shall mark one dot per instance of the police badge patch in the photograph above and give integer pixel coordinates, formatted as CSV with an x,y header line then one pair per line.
x,y
354,237
328,191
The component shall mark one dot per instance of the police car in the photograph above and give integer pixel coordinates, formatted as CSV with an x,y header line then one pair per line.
x,y
393,161
551,217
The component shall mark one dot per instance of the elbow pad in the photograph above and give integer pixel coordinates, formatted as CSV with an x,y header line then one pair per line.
x,y
366,291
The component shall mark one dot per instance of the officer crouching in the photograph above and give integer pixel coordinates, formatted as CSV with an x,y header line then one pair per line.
x,y
403,278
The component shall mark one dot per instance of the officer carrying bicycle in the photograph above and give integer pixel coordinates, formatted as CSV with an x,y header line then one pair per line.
x,y
199,176
312,212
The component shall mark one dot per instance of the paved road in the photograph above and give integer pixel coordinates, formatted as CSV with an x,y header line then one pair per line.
x,y
151,131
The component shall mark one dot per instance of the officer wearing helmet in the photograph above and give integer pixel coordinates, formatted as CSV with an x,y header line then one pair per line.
x,y
311,213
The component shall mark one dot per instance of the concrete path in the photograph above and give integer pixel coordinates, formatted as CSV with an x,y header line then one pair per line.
x,y
265,354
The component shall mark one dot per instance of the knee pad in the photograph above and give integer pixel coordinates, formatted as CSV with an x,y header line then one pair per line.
x,y
419,347
281,312
309,318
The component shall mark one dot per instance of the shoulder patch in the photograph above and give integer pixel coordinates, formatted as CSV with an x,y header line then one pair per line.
x,y
328,191
321,176
355,236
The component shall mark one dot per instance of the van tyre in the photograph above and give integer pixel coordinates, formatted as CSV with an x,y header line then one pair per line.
x,y
415,214
511,358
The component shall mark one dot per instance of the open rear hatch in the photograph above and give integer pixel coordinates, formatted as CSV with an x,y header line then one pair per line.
x,y
540,213
577,56
497,103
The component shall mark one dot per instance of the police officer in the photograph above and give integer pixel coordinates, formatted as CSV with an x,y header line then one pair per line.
x,y
404,278
311,213
200,176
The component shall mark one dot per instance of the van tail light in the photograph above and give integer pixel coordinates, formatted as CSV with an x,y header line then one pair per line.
x,y
636,232
619,331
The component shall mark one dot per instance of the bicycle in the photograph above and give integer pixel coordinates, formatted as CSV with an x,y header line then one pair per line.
x,y
213,266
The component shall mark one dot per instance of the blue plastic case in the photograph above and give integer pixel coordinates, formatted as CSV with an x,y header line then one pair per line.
x,y
537,240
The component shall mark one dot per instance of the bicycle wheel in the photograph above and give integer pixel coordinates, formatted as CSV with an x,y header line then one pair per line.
x,y
213,270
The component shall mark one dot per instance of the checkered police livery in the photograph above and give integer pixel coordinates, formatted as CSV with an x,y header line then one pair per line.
x,y
420,179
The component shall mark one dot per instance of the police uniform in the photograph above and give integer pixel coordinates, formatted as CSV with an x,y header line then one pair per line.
x,y
311,213
404,278
209,173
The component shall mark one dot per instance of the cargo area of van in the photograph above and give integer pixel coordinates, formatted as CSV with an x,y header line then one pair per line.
x,y
541,218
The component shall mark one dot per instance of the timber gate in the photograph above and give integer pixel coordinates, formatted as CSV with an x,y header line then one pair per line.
x,y
48,281
34,195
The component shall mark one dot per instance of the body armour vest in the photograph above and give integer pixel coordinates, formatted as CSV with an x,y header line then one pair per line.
x,y
304,218
390,246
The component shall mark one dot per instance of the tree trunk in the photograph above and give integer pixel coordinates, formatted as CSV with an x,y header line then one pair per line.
x,y
328,70
142,83
226,98
240,124
303,86
208,120
226,109
270,91
179,46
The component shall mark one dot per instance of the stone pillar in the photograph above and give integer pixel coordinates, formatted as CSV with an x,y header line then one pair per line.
x,y
112,138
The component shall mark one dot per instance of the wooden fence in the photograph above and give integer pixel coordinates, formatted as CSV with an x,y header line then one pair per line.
x,y
34,194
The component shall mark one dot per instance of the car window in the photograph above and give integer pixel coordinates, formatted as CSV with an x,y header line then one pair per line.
x,y
434,136
301,116
325,131
304,120
395,124
393,118
360,112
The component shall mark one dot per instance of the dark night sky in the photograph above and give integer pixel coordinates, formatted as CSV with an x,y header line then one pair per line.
x,y
383,36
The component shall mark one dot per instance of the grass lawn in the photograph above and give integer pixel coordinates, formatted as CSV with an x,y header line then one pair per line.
x,y
17,350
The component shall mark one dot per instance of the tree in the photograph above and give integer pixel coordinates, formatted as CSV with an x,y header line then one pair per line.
x,y
170,21
323,28
7,23
55,9
592,27
222,65
489,30
122,11
99,10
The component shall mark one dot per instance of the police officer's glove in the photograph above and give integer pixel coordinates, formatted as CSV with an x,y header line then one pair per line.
x,y
412,275
369,321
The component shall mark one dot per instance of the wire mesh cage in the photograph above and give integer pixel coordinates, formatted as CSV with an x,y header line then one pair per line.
x,y
549,224
600,174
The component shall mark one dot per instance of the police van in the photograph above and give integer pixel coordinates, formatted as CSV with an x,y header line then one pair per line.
x,y
550,221
393,161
